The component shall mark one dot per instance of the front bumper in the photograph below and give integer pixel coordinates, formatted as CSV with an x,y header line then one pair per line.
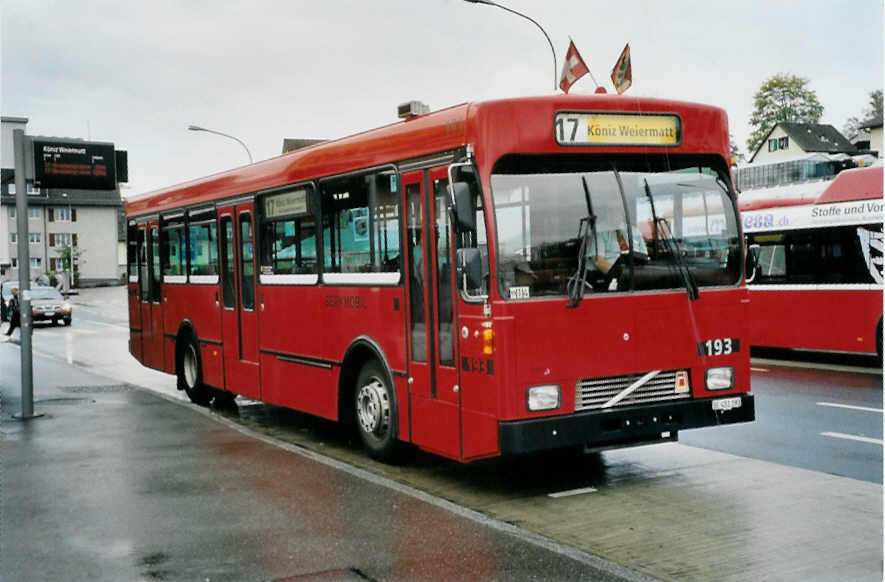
x,y
45,315
601,429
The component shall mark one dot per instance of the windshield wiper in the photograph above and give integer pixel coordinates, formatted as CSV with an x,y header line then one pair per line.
x,y
691,284
688,278
586,228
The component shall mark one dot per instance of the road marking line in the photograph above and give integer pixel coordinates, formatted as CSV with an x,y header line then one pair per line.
x,y
571,492
851,437
850,407
758,369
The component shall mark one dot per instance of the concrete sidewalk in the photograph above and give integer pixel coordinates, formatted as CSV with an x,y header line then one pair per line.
x,y
117,483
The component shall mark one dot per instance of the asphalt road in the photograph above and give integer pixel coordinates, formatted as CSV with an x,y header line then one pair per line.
x,y
819,419
769,502
811,411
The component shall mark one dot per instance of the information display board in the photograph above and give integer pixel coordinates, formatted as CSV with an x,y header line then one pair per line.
x,y
86,165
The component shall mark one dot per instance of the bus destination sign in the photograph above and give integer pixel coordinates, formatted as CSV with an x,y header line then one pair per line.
x,y
293,202
616,129
86,165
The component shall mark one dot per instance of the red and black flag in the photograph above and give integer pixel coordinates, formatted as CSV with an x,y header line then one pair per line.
x,y
622,74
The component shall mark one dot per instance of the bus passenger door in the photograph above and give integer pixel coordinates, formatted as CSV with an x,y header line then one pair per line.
x,y
239,320
151,307
434,398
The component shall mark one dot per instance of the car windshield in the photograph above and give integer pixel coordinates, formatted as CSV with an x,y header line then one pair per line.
x,y
642,230
45,293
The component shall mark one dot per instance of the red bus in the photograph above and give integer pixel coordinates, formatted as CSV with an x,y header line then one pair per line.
x,y
818,285
493,278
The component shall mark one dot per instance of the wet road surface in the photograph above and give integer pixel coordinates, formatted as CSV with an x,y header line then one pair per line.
x,y
675,512
116,483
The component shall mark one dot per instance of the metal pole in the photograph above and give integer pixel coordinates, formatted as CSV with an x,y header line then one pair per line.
x,y
24,277
238,140
533,21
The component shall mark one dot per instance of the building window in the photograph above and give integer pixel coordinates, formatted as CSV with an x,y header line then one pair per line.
x,y
62,214
11,189
36,262
13,238
778,143
12,212
34,237
32,191
33,212
60,239
14,263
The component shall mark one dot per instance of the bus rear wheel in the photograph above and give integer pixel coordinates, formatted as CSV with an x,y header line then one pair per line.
x,y
375,411
190,375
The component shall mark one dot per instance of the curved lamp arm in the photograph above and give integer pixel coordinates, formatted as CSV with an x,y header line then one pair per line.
x,y
238,140
532,20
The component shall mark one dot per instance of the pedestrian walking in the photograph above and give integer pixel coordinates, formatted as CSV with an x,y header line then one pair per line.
x,y
14,312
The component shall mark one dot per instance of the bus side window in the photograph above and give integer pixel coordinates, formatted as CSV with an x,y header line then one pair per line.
x,y
227,261
156,275
289,233
202,248
361,223
143,280
247,262
132,251
475,237
772,261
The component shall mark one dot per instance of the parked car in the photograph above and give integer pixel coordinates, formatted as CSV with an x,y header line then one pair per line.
x,y
48,304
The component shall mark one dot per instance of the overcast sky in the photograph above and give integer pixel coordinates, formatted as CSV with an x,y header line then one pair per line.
x,y
138,73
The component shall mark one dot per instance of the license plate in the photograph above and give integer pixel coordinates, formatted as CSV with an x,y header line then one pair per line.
x,y
724,404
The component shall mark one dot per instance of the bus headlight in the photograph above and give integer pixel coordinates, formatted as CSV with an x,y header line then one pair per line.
x,y
545,397
719,378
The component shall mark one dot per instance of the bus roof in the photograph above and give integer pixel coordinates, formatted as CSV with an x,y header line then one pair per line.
x,y
849,185
441,131
855,184
854,197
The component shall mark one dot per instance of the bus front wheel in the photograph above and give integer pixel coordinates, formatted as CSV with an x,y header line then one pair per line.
x,y
375,408
190,375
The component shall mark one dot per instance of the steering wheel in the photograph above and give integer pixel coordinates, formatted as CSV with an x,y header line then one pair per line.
x,y
618,266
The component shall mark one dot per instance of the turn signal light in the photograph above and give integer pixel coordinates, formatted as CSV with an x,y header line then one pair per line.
x,y
488,339
681,382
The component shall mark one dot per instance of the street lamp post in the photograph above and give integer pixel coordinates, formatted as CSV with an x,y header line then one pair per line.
x,y
238,140
490,3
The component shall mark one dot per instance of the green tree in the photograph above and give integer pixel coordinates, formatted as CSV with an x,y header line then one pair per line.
x,y
69,254
736,155
872,111
782,97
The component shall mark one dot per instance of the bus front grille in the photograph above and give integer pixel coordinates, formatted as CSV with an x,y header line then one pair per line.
x,y
594,393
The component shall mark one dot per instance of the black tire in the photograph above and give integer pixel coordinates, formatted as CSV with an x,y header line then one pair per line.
x,y
67,321
56,321
375,412
190,374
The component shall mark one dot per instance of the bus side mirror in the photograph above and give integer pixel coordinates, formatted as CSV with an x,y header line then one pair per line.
x,y
469,262
752,262
465,213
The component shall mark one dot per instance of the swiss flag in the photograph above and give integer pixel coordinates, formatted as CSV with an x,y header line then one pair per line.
x,y
573,68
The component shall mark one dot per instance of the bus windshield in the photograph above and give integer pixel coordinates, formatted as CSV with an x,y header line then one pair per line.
x,y
643,231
